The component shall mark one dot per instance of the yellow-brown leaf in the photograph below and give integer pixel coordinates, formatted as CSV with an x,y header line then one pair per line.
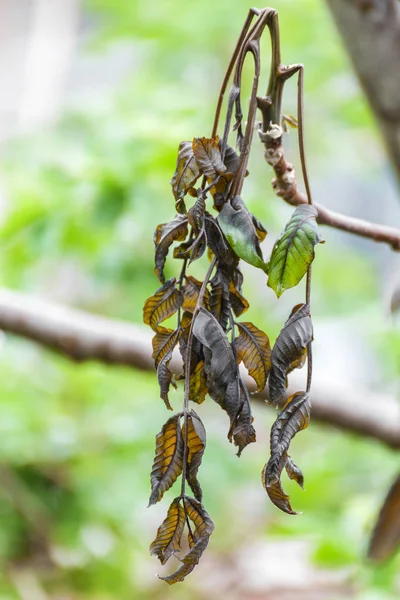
x,y
169,534
168,461
253,348
163,304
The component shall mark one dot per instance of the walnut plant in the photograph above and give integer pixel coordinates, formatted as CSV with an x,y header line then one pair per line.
x,y
213,339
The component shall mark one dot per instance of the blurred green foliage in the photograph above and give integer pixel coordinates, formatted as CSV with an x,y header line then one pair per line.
x,y
82,202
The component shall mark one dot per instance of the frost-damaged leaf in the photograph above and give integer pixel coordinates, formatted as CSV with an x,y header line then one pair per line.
x,y
289,351
208,156
293,418
196,446
198,540
198,380
196,213
198,383
169,534
385,539
293,252
231,158
238,302
164,341
243,430
165,234
220,299
239,230
294,472
219,246
192,250
168,461
187,171
162,305
253,348
191,291
220,364
164,374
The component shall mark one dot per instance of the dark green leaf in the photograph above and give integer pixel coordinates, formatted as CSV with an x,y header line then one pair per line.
x,y
239,230
293,252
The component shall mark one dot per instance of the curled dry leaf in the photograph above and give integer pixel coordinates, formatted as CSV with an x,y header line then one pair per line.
x,y
385,539
169,534
164,341
168,461
293,252
198,539
190,292
238,302
220,298
196,213
294,418
163,304
196,440
243,431
165,234
253,348
289,351
187,171
208,156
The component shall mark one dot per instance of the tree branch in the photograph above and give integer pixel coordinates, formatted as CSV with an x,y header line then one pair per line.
x,y
81,336
370,30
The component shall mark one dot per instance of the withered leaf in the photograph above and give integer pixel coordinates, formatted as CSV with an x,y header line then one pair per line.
x,y
220,299
293,252
165,234
169,534
294,472
198,383
221,368
231,158
289,351
163,304
219,246
168,461
191,250
293,418
165,375
208,156
196,213
239,230
196,439
243,430
163,342
253,348
187,171
385,539
190,292
203,528
238,302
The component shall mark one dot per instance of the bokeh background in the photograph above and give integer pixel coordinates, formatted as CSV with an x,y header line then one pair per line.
x,y
96,96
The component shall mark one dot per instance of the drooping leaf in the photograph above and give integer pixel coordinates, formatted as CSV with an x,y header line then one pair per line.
x,y
293,252
198,540
231,158
253,348
208,156
238,302
191,250
163,304
169,534
163,342
168,461
243,430
385,539
196,439
241,234
187,171
219,245
196,213
293,418
294,472
165,234
190,292
198,383
221,368
220,299
165,375
289,351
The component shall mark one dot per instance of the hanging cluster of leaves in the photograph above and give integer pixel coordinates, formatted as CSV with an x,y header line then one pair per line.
x,y
213,220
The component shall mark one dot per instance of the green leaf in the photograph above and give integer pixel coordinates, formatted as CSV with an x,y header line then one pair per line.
x,y
293,252
238,228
